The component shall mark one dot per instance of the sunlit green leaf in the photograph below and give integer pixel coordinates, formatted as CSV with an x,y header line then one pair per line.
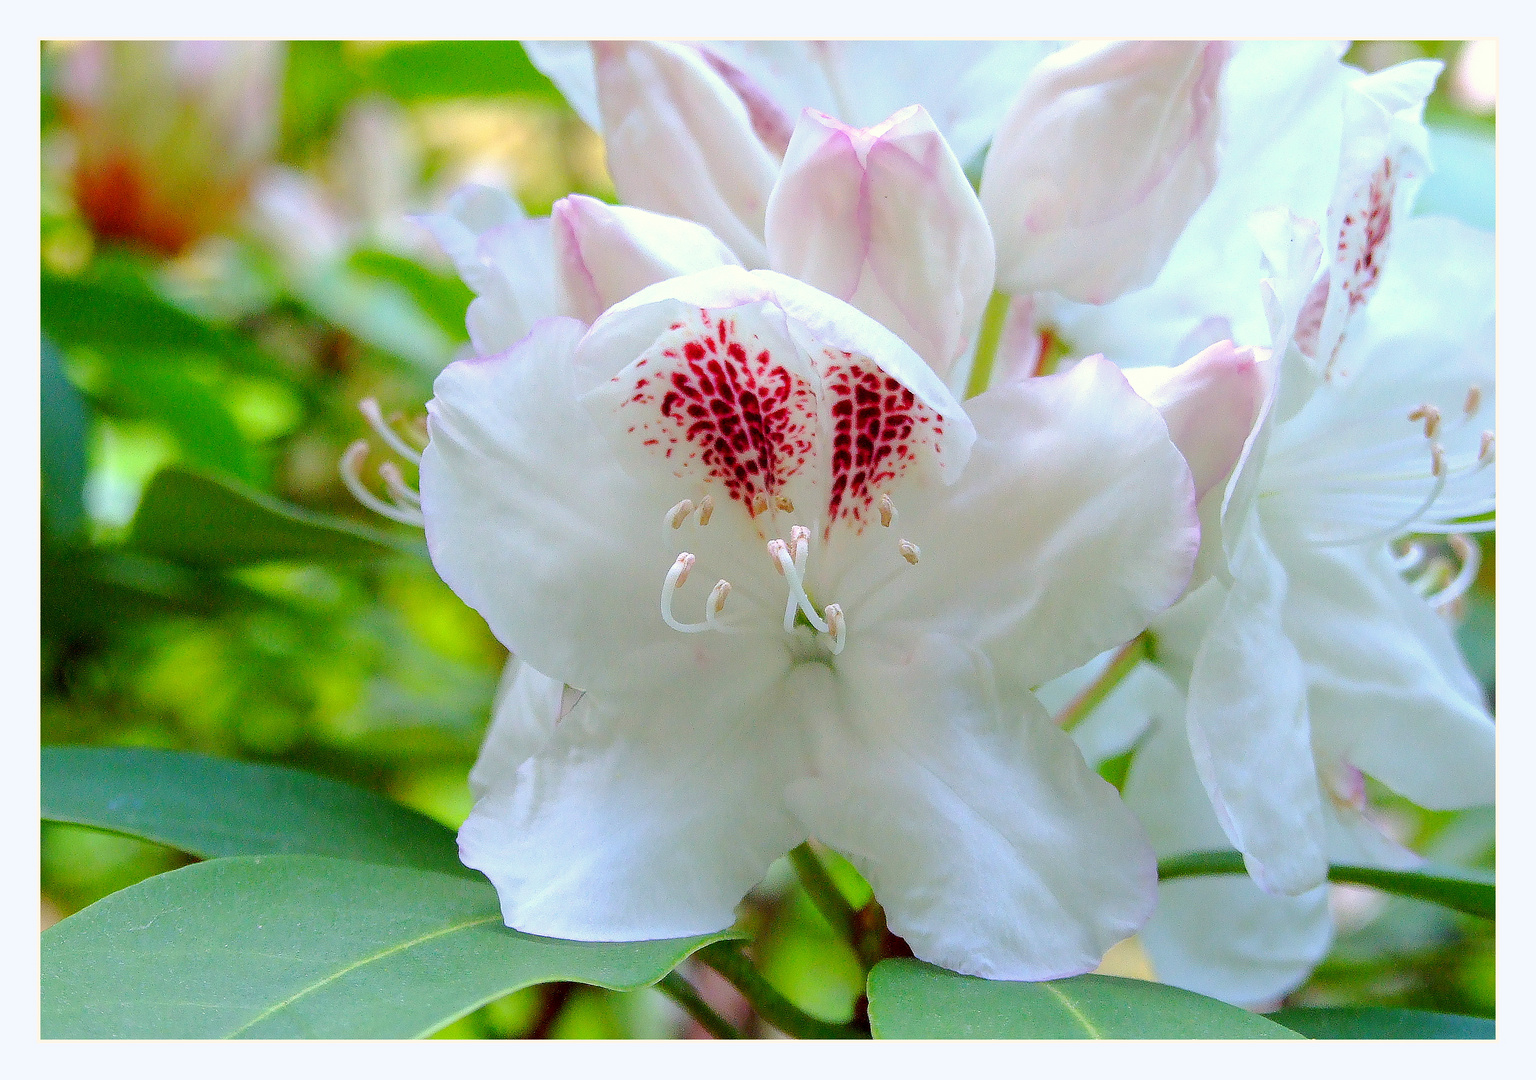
x,y
912,1000
213,807
207,521
444,297
1362,1022
446,69
377,312
200,422
1470,891
297,946
65,426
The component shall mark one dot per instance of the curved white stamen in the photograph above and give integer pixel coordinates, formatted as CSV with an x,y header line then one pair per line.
x,y
351,475
910,551
706,509
716,604
1474,400
370,409
675,577
1471,557
674,517
1439,472
399,490
1438,570
791,574
887,510
839,627
1409,559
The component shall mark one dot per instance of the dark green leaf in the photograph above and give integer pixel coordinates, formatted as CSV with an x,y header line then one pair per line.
x,y
119,313
206,521
203,427
1362,1022
1469,891
66,422
912,1000
447,69
296,946
213,807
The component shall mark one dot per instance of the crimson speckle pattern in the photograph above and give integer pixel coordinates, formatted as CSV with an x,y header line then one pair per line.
x,y
878,426
711,398
1363,235
715,398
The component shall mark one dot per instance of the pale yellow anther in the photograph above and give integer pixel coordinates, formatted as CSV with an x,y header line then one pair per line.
x,y
799,541
909,551
679,513
887,510
1485,450
774,548
759,504
1474,400
717,596
706,509
1431,421
681,567
1437,460
1419,413
784,503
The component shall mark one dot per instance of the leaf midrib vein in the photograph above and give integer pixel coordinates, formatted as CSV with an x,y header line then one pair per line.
x,y
1066,1003
312,987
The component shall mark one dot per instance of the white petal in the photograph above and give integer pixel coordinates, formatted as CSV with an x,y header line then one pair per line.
x,y
1282,104
528,705
884,218
965,85
532,521
680,142
1389,690
606,253
1101,160
1249,733
1071,527
647,815
992,847
569,66
1221,935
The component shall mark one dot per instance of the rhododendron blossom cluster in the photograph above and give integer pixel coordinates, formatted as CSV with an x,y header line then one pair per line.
x,y
902,382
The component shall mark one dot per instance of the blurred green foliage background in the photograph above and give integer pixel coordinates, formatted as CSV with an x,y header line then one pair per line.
x,y
202,361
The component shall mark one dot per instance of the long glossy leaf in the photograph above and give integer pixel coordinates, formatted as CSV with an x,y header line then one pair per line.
x,y
1470,891
1363,1022
295,946
206,521
912,1000
214,807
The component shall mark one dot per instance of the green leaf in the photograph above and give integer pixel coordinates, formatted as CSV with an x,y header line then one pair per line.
x,y
201,423
1469,891
445,298
1363,1022
448,69
118,313
297,946
912,1000
207,521
213,807
66,424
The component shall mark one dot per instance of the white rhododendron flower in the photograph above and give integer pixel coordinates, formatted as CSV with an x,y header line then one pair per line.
x,y
769,580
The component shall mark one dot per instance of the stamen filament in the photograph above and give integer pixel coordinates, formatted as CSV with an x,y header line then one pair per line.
x,y
675,578
369,407
1471,556
791,573
351,475
399,490
1409,559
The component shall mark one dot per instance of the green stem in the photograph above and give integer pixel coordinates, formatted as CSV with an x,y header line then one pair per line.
x,y
727,958
992,321
1470,891
1131,654
681,991
823,891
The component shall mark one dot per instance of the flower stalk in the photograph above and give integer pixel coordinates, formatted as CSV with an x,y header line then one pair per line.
x,y
823,891
727,958
682,992
992,322
1125,661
